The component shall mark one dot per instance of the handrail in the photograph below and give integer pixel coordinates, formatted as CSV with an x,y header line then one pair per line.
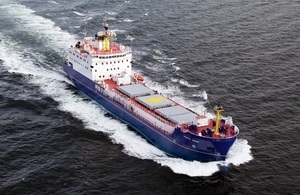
x,y
111,52
84,53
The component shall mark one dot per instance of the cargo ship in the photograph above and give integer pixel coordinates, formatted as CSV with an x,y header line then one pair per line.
x,y
101,68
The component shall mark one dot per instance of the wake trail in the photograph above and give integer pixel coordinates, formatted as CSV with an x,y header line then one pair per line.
x,y
54,84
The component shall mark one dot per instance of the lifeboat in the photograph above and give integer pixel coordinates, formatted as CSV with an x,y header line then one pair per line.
x,y
137,77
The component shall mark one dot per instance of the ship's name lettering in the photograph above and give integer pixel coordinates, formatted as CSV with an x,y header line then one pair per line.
x,y
191,139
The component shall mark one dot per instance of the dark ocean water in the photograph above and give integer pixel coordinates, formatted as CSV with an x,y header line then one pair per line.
x,y
244,54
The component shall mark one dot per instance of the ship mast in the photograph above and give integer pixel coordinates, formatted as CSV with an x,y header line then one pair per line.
x,y
106,38
218,110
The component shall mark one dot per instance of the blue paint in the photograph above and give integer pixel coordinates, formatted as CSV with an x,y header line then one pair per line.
x,y
179,144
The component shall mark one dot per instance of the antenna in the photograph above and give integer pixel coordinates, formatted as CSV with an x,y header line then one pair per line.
x,y
105,25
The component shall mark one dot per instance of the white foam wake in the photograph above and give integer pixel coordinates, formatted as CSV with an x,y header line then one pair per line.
x,y
41,28
53,83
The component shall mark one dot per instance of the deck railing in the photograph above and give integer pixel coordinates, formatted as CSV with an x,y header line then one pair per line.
x,y
130,102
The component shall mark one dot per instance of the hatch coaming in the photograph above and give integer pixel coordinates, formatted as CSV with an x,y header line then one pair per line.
x,y
161,106
135,90
140,111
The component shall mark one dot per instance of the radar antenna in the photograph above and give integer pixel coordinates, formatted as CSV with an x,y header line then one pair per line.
x,y
105,25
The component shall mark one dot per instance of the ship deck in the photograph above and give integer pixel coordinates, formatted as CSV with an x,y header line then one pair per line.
x,y
168,110
114,48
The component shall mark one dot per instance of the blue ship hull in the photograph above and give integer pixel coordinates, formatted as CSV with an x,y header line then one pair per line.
x,y
179,144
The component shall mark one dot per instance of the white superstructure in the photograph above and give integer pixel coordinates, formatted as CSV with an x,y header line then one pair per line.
x,y
99,59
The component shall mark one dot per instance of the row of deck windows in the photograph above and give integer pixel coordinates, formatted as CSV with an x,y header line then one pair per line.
x,y
111,69
109,75
86,67
112,62
107,57
78,56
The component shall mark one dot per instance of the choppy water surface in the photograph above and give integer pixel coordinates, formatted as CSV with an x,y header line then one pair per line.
x,y
243,54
